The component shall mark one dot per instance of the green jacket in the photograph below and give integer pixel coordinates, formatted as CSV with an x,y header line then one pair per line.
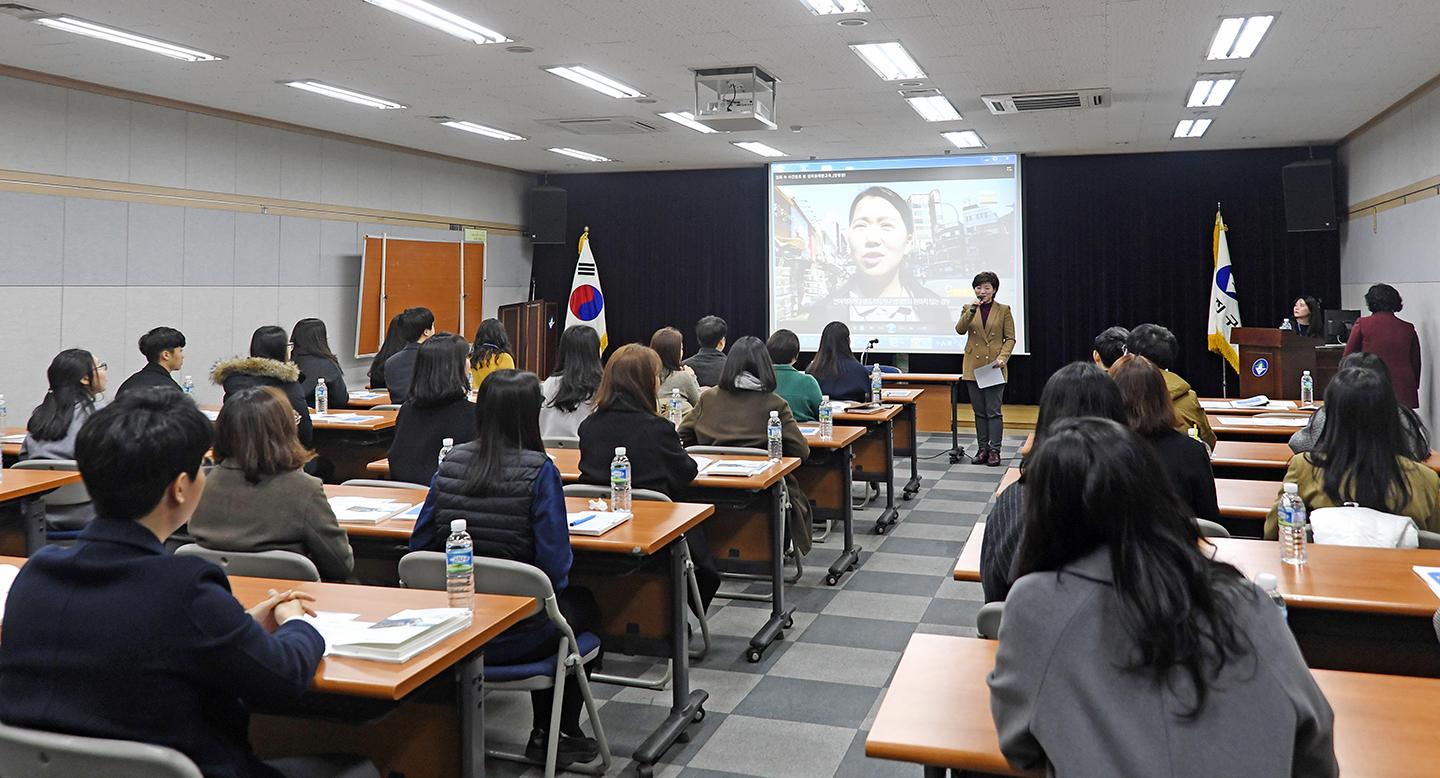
x,y
800,390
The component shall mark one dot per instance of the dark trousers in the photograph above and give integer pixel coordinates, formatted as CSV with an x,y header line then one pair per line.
x,y
989,426
578,606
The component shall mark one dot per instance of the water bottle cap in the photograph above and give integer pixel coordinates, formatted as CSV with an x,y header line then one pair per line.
x,y
825,399
1267,581
1304,372
448,442
319,381
457,525
1292,488
619,451
774,414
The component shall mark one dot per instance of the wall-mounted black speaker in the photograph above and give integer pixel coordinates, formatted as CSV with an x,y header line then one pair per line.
x,y
1309,195
546,214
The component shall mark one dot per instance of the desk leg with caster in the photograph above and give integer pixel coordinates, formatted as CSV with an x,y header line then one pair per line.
x,y
912,487
890,514
470,680
686,706
780,617
955,451
851,555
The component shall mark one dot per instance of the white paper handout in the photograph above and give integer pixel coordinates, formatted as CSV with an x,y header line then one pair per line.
x,y
366,510
989,375
396,639
595,522
742,468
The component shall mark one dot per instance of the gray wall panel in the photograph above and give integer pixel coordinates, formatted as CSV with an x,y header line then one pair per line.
x,y
95,242
257,249
209,153
155,245
157,145
300,167
32,248
339,172
340,254
98,142
299,251
257,160
209,247
32,126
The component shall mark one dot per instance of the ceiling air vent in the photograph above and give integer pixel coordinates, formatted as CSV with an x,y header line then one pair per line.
x,y
16,9
1002,105
605,125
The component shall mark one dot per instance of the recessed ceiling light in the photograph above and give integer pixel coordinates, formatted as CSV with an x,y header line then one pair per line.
x,y
911,84
1191,128
964,139
932,106
1238,36
584,155
113,35
520,49
441,19
686,119
478,129
349,96
890,60
600,83
827,7
756,147
853,22
1210,92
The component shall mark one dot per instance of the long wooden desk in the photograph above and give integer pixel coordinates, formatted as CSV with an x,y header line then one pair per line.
x,y
382,397
930,410
875,456
349,446
21,497
937,713
905,441
1220,406
1235,427
1270,459
825,477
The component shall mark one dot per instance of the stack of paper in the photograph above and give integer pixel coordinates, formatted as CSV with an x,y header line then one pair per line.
x,y
365,395
1280,421
342,418
1258,401
893,393
367,510
20,438
396,639
209,414
1431,576
742,468
596,522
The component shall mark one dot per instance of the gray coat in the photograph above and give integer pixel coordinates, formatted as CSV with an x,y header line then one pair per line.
x,y
1062,698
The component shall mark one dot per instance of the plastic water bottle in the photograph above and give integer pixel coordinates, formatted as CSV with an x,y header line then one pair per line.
x,y
1285,325
1292,526
188,387
460,567
875,394
322,397
620,481
827,418
1268,582
675,407
772,437
1307,389
445,446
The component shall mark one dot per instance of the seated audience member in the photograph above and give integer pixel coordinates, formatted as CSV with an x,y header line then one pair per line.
x,y
1109,346
625,415
439,407
669,344
310,351
257,497
710,359
1158,345
1391,338
491,351
568,394
736,413
268,365
835,368
800,390
164,350
75,379
1361,457
1125,649
1078,389
1152,417
1417,440
416,325
116,638
394,342
508,492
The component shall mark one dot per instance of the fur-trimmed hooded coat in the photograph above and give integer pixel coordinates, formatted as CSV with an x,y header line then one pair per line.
x,y
246,372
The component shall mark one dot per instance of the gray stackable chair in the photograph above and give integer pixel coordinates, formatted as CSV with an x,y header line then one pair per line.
x,y
386,407
753,452
385,484
31,753
987,620
426,570
260,564
1209,529
561,441
1428,539
69,500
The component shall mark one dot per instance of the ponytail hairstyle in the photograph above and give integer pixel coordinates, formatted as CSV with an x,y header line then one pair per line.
x,y
51,418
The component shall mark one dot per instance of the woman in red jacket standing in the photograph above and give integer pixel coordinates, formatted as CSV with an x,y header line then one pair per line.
x,y
1390,338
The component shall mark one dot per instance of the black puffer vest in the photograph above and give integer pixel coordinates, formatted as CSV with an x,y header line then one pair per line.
x,y
499,523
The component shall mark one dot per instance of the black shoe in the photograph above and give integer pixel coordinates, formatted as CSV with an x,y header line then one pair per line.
x,y
981,457
570,750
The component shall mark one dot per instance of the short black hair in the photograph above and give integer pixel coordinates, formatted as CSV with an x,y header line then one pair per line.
x,y
131,450
270,342
1382,298
784,347
710,331
1110,345
159,340
415,321
984,277
1155,343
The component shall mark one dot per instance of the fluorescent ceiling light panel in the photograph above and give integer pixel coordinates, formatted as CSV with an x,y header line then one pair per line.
x,y
756,147
965,139
480,129
1208,93
100,31
358,98
1238,37
934,108
890,60
600,83
441,19
585,155
1191,128
827,7
686,119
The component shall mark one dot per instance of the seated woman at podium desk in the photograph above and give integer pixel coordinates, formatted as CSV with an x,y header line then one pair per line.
x,y
1305,318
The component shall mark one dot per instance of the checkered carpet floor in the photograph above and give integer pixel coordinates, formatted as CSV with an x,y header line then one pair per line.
x,y
804,710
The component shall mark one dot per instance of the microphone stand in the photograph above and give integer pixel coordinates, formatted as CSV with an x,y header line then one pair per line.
x,y
873,342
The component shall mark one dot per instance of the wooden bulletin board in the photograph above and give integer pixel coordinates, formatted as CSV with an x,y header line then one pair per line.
x,y
448,277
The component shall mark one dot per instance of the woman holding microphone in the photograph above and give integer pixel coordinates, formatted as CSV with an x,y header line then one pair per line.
x,y
989,332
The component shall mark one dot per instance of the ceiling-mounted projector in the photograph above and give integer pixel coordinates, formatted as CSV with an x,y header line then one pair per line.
x,y
735,99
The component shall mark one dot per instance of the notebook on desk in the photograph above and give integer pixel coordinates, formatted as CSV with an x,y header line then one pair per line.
x,y
595,523
368,510
20,438
741,468
396,639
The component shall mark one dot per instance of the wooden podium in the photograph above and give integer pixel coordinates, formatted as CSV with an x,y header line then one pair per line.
x,y
1272,360
534,331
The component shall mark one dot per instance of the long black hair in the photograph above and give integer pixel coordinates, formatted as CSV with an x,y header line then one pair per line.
x,y
270,342
308,338
51,418
748,355
490,342
394,343
834,351
1078,389
440,376
507,418
578,368
1360,447
1093,484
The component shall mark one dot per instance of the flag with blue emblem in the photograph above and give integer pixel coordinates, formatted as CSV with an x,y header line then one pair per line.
x,y
1224,308
587,304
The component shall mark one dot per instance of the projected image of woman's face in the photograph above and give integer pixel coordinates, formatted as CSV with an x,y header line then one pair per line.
x,y
878,239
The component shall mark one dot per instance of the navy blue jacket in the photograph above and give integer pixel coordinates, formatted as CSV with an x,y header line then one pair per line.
x,y
853,383
116,638
399,369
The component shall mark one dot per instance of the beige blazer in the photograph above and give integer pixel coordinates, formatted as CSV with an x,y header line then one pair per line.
x,y
987,342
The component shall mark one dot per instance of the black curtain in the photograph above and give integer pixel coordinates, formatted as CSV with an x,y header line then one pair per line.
x,y
1114,239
